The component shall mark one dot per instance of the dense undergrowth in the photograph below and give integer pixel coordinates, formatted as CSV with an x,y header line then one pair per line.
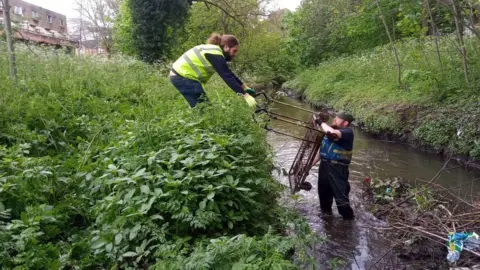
x,y
104,166
438,110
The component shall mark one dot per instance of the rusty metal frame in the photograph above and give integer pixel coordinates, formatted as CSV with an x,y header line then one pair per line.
x,y
306,154
310,143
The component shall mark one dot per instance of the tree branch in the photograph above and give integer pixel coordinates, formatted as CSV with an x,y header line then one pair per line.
x,y
224,10
397,60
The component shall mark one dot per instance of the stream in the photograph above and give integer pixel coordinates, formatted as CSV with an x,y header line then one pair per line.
x,y
355,244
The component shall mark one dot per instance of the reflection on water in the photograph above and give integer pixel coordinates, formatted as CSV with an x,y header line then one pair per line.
x,y
355,242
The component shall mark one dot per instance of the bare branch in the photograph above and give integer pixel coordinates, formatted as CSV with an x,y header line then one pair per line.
x,y
458,18
234,17
399,67
435,33
240,12
99,16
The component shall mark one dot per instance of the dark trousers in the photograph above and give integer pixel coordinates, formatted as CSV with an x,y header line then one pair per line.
x,y
191,90
333,183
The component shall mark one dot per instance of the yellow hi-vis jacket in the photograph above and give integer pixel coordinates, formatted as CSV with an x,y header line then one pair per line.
x,y
194,65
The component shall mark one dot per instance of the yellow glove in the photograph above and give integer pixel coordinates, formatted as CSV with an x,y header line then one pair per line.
x,y
250,100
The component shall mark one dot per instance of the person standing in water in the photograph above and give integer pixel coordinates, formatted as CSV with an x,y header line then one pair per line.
x,y
335,156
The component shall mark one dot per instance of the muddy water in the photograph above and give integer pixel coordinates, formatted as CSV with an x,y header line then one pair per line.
x,y
356,243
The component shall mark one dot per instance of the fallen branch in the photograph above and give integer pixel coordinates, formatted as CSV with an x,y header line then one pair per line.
x,y
427,220
444,239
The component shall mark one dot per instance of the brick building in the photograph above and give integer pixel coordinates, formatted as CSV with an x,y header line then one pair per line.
x,y
37,24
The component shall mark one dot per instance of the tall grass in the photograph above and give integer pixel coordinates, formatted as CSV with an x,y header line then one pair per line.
x,y
437,106
103,165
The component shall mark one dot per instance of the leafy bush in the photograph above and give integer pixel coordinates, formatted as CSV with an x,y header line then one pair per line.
x,y
103,165
238,252
199,184
436,132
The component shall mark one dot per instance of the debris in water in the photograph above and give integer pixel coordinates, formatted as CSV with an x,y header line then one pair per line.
x,y
456,243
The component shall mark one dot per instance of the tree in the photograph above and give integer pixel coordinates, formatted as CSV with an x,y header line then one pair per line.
x,y
309,31
10,46
232,17
134,34
392,41
263,55
322,29
148,28
239,11
435,33
123,38
203,20
457,15
100,16
472,10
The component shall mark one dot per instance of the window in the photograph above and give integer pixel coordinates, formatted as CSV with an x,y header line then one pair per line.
x,y
61,22
49,19
1,4
18,10
35,14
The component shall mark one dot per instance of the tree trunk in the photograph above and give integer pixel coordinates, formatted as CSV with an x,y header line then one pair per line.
x,y
435,33
472,22
225,22
472,27
463,51
397,60
8,33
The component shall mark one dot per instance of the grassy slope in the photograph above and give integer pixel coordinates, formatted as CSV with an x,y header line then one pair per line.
x,y
102,163
437,105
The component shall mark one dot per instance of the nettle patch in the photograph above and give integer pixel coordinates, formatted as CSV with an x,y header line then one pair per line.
x,y
136,207
104,166
201,183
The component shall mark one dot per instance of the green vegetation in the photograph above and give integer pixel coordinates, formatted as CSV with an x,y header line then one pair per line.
x,y
324,29
403,68
264,55
148,28
435,108
102,165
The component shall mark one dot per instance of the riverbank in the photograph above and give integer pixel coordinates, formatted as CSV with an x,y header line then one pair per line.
x,y
422,218
438,113
369,243
104,165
